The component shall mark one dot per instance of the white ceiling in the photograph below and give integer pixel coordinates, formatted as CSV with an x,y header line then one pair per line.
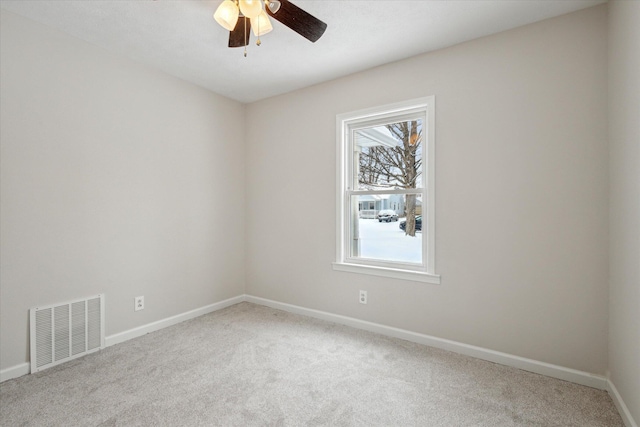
x,y
181,38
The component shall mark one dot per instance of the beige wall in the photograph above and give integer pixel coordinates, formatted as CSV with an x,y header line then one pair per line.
x,y
624,167
115,178
521,193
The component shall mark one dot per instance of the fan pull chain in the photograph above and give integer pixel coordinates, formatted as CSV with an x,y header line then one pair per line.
x,y
258,42
245,37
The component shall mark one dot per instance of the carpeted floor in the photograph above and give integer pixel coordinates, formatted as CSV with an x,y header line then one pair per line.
x,y
249,365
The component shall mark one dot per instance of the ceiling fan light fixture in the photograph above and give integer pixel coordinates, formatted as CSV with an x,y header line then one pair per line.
x,y
240,16
227,15
251,8
261,24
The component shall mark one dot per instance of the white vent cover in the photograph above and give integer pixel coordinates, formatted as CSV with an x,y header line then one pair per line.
x,y
62,332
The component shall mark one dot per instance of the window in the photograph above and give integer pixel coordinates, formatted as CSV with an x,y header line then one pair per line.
x,y
385,200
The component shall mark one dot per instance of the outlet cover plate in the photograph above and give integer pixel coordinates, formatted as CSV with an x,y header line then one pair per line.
x,y
139,303
363,297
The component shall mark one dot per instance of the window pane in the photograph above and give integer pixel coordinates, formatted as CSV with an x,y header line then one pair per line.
x,y
387,227
389,156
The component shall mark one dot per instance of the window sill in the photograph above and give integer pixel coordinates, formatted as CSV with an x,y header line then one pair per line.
x,y
416,276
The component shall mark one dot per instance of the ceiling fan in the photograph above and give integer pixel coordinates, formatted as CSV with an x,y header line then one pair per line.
x,y
240,16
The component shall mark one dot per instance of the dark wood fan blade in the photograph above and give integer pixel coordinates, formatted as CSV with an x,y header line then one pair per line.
x,y
240,35
308,26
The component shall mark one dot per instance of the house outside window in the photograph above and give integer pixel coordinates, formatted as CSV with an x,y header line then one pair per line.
x,y
385,162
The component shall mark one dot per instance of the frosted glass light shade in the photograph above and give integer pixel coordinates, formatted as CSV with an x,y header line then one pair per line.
x,y
251,8
227,15
261,24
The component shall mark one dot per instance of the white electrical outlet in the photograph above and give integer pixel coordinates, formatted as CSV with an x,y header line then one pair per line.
x,y
363,297
139,303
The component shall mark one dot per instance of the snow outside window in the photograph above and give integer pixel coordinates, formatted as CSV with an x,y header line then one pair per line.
x,y
385,194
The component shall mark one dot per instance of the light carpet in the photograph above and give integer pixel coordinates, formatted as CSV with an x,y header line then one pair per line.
x,y
249,365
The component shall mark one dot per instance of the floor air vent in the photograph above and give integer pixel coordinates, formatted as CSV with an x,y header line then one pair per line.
x,y
62,332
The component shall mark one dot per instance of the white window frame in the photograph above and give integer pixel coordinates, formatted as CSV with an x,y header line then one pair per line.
x,y
345,123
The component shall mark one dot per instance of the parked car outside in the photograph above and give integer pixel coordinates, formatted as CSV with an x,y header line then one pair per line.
x,y
387,215
403,224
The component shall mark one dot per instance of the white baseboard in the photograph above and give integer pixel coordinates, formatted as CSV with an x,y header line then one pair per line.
x,y
24,368
620,405
15,371
554,371
169,321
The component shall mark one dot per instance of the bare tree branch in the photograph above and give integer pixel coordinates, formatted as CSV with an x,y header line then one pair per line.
x,y
395,167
